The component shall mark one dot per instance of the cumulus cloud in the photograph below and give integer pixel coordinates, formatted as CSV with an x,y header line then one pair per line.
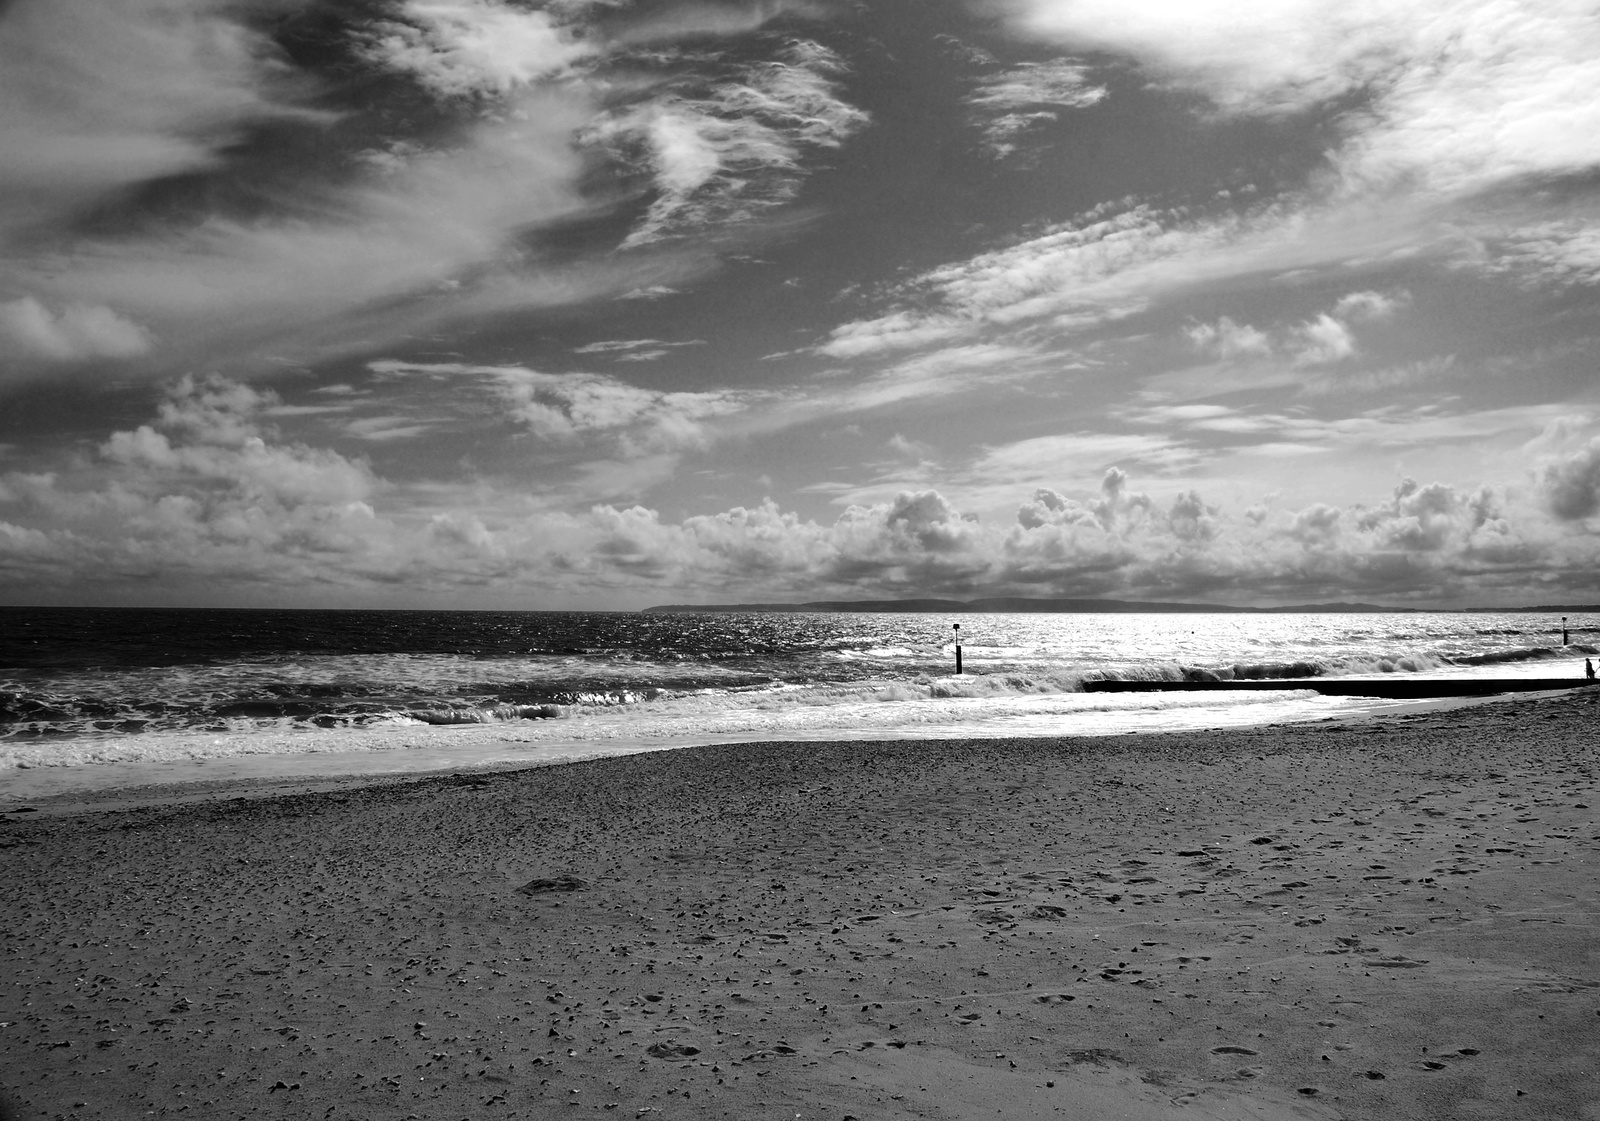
x,y
29,330
1014,102
1227,339
462,48
203,490
208,496
1322,342
1571,483
1366,305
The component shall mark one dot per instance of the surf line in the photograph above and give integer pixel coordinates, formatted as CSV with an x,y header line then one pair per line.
x,y
1395,688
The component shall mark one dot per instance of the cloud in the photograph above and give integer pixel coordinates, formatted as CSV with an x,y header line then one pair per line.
x,y
1433,106
460,48
1322,342
327,267
1571,483
1449,95
202,492
303,240
721,153
1227,339
207,498
29,330
1014,102
571,407
1365,306
1076,276
635,350
95,96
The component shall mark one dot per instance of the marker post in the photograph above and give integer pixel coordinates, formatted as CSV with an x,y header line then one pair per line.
x,y
958,647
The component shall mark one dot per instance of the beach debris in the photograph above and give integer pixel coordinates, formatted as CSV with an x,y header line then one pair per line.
x,y
1096,1056
672,1050
1396,961
541,885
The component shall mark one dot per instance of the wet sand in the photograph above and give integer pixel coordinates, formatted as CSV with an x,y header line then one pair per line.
x,y
1391,918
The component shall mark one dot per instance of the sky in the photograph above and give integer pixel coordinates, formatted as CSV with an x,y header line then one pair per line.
x,y
598,304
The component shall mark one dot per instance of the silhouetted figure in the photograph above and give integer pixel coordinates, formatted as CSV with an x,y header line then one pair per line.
x,y
1588,669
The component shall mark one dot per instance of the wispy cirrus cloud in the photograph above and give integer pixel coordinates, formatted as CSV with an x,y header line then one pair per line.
x,y
724,151
1438,112
635,350
97,97
368,225
579,406
1011,104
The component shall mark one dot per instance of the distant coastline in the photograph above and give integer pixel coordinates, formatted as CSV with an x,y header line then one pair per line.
x,y
1019,605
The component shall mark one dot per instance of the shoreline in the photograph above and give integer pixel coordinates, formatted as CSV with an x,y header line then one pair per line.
x,y
325,759
1389,687
1368,919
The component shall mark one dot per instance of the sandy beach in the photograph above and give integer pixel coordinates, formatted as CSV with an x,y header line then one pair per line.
x,y
1388,918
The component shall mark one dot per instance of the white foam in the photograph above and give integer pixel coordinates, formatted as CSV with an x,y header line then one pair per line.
x,y
86,764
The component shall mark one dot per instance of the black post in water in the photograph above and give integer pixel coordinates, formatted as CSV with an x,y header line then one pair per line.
x,y
1564,630
958,647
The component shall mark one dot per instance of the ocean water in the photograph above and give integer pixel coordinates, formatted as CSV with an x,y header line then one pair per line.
x,y
84,690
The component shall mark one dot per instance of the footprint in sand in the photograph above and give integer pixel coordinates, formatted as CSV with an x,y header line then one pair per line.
x,y
1232,1049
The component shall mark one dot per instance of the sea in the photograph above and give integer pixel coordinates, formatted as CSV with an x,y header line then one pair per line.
x,y
108,698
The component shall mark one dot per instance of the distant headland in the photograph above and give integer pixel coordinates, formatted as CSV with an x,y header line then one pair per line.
x,y
1018,605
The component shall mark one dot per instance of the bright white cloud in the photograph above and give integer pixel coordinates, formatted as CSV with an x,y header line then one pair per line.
x,y
1456,95
1322,342
471,47
1458,98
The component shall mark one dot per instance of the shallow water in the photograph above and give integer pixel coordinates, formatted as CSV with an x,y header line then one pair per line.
x,y
95,689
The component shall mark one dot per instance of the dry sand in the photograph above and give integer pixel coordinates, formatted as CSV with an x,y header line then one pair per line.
x,y
1384,919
